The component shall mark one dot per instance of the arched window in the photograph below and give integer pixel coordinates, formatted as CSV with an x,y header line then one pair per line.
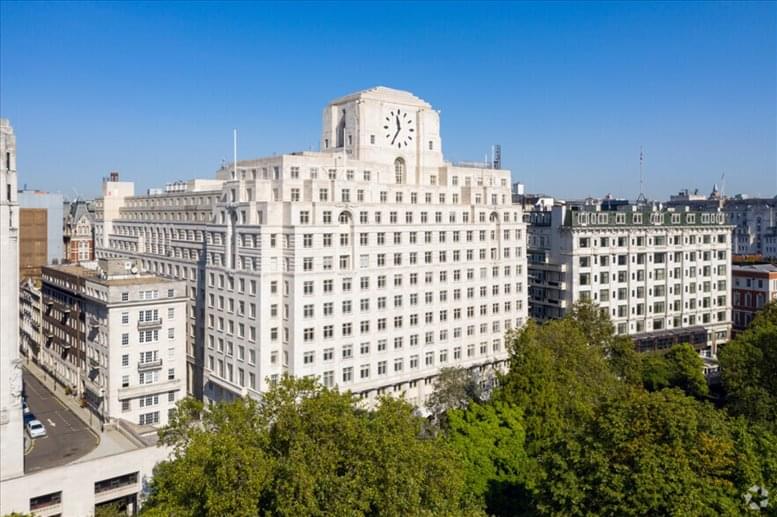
x,y
399,171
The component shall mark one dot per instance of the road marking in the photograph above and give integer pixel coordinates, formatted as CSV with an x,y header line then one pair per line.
x,y
51,423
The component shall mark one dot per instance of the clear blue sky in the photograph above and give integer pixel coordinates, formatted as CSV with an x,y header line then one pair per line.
x,y
570,90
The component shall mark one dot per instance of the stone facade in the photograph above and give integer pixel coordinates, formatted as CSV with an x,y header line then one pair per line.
x,y
662,275
370,264
11,429
115,337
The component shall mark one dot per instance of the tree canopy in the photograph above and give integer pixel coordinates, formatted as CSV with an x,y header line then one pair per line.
x,y
580,425
305,450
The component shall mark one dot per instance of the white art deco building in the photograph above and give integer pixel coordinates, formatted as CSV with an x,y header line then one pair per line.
x,y
371,264
11,433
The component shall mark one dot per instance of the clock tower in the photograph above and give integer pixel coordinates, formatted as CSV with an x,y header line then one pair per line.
x,y
387,127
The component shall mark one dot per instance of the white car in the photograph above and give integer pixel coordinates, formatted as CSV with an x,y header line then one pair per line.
x,y
36,429
26,408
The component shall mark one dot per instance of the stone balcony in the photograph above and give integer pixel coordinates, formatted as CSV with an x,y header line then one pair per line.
x,y
149,365
150,324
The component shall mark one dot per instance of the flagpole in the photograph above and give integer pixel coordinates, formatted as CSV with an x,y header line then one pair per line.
x,y
641,181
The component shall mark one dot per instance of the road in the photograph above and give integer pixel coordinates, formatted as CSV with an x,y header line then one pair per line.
x,y
68,437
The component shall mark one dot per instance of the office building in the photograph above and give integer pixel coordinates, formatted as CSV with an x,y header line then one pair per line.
x,y
370,264
663,275
115,337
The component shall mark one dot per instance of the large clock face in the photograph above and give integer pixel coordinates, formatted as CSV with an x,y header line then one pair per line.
x,y
399,129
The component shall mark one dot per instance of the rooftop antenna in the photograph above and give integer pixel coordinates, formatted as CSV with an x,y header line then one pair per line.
x,y
234,153
641,180
641,197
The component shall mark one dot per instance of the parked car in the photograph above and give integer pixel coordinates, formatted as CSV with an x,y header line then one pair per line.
x,y
25,407
35,428
29,417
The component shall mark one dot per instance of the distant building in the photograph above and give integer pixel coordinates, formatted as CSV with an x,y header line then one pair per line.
x,y
33,242
116,337
662,275
752,218
78,232
41,231
754,286
53,204
770,243
30,318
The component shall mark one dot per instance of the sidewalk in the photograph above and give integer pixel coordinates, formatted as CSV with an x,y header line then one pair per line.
x,y
58,390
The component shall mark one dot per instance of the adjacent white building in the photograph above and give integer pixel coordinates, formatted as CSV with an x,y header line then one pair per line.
x,y
11,437
370,264
30,319
115,336
662,275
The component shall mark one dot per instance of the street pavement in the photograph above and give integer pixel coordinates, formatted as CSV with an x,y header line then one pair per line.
x,y
68,437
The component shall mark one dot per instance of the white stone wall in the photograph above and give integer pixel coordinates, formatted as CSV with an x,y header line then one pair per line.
x,y
11,431
252,234
649,277
76,482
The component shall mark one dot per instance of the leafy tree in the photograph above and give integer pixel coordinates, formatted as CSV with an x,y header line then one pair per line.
x,y
593,322
490,437
625,361
109,510
305,450
679,367
219,464
454,388
749,369
600,445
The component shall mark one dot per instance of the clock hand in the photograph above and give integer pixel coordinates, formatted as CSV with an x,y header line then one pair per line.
x,y
399,128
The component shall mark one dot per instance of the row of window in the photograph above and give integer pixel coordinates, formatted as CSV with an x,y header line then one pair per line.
x,y
655,258
605,277
347,330
294,172
658,240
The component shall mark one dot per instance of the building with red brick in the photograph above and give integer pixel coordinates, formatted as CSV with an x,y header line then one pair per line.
x,y
78,232
754,286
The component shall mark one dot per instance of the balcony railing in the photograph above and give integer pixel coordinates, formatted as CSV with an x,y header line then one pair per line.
x,y
149,365
148,324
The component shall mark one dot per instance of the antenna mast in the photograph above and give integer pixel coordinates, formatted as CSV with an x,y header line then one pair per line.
x,y
234,153
641,181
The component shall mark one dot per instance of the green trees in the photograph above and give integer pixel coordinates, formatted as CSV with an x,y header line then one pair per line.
x,y
305,450
454,388
490,439
749,370
680,367
580,425
596,442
